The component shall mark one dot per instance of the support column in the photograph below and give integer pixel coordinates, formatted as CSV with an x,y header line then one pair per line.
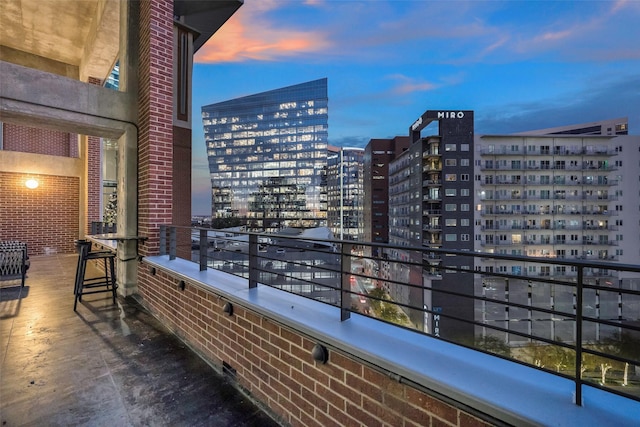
x,y
127,223
127,264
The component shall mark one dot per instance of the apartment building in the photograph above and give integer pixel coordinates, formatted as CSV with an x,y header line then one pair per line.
x,y
431,204
377,155
557,194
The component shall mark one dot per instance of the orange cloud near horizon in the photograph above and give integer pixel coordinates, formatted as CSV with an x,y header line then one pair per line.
x,y
244,39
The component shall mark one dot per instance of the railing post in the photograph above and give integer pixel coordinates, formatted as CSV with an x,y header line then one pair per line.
x,y
173,242
578,372
204,244
163,239
345,289
254,273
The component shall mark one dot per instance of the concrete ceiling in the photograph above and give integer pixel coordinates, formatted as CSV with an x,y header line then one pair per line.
x,y
80,38
76,38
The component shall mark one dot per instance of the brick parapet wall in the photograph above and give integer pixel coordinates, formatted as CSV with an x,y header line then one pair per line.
x,y
155,138
273,364
27,214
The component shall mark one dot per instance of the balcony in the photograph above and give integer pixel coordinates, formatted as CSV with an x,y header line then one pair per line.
x,y
266,329
106,365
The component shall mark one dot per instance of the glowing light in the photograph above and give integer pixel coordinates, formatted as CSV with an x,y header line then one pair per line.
x,y
31,183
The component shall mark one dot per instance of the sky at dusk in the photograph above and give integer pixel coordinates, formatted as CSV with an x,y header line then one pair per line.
x,y
520,65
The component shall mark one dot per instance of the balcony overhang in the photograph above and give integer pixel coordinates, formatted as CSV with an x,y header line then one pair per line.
x,y
205,17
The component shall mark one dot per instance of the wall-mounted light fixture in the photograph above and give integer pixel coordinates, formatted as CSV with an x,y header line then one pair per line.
x,y
320,353
228,308
31,183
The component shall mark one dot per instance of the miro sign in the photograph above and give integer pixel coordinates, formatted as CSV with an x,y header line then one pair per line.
x,y
433,115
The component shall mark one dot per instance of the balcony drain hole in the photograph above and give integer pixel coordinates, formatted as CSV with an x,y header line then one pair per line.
x,y
228,371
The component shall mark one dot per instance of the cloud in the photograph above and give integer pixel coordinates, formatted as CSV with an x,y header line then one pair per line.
x,y
408,85
250,35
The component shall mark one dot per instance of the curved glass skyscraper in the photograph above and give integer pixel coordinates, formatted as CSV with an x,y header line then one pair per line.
x,y
268,157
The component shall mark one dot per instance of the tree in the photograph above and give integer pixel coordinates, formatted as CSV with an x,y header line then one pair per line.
x,y
493,345
111,209
625,344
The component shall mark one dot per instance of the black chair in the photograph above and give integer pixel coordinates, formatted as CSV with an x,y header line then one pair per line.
x,y
105,282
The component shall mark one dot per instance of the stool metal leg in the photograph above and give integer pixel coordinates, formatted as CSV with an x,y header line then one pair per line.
x,y
104,282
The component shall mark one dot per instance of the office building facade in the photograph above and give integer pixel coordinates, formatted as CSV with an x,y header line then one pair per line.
x,y
345,196
268,157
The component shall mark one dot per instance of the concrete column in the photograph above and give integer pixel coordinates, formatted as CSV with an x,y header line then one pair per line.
x,y
127,223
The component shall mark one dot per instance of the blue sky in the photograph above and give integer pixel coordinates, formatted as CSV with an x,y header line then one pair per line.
x,y
519,65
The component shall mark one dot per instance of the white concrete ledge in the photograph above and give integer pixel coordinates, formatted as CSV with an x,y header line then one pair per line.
x,y
513,393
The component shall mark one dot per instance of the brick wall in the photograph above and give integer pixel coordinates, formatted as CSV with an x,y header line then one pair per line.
x,y
39,141
274,364
155,109
45,217
94,173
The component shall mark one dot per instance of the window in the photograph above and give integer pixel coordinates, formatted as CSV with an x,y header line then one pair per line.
x,y
464,162
464,177
450,222
464,237
451,207
464,222
464,207
451,237
464,192
450,147
450,177
450,162
464,147
450,192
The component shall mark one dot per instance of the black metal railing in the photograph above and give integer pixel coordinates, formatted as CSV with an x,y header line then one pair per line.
x,y
575,318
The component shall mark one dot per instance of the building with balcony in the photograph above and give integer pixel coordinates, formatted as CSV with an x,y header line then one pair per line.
x,y
345,195
268,157
560,193
430,199
377,155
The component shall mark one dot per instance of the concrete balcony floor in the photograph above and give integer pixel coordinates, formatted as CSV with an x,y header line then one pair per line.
x,y
106,365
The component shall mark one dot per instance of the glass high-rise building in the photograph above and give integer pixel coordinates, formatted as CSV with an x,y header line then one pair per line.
x,y
268,157
344,192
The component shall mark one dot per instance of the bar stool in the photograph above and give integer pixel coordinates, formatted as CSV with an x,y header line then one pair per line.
x,y
103,283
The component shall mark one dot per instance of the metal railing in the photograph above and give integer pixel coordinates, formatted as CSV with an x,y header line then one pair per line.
x,y
579,319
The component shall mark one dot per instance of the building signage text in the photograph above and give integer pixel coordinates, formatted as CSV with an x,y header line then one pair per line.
x,y
451,114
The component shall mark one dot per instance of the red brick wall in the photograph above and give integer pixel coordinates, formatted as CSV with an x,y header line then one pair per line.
x,y
274,364
155,110
94,173
43,217
39,141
